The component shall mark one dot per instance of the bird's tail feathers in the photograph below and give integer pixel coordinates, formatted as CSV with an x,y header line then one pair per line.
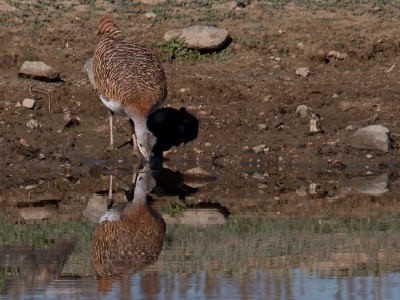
x,y
106,24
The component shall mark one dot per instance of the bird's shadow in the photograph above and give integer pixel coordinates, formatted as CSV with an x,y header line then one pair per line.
x,y
172,127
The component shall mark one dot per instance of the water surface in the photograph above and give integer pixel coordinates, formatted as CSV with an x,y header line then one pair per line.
x,y
251,234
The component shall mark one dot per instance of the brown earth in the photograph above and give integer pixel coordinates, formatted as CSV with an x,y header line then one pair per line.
x,y
215,105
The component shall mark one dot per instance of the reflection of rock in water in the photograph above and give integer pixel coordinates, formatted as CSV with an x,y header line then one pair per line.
x,y
34,267
128,238
371,185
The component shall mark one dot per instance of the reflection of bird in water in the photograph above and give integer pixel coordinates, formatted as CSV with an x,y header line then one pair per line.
x,y
130,80
129,237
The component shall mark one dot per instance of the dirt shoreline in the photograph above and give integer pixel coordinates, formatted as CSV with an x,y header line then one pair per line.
x,y
223,100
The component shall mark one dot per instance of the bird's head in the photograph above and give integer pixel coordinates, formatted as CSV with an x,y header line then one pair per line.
x,y
145,142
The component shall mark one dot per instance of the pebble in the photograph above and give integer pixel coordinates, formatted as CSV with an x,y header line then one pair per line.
x,y
351,127
33,124
28,103
257,175
259,149
150,15
268,98
302,111
23,143
369,156
303,72
262,126
315,126
262,186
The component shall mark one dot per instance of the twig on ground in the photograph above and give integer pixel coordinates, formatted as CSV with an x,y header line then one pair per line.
x,y
31,89
391,68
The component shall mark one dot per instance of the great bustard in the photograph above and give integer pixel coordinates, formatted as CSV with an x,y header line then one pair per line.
x,y
131,82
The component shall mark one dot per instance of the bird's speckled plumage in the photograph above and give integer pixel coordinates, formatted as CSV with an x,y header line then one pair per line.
x,y
130,78
127,244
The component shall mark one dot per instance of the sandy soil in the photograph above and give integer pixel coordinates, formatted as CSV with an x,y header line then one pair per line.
x,y
215,106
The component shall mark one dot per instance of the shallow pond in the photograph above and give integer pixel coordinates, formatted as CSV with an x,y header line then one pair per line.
x,y
199,231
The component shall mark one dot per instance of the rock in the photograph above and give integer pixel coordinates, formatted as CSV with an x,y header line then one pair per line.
x,y
351,127
197,217
268,98
259,176
38,213
262,126
315,126
150,15
33,124
28,103
303,72
152,2
198,177
225,6
337,55
38,70
96,207
259,149
18,105
88,68
300,46
200,37
371,185
303,111
370,137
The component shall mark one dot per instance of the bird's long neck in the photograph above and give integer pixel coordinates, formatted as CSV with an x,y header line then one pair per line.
x,y
140,124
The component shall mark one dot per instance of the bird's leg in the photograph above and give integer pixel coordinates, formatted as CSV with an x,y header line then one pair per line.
x,y
110,118
135,151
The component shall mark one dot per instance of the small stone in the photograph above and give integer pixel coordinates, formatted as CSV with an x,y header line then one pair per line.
x,y
262,186
335,95
259,176
259,149
33,124
18,105
301,47
262,126
150,15
369,156
303,111
152,2
38,70
315,126
207,144
303,72
268,98
225,6
41,156
23,143
28,103
351,127
337,55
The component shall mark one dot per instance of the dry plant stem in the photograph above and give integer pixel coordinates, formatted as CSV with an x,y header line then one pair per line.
x,y
31,89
